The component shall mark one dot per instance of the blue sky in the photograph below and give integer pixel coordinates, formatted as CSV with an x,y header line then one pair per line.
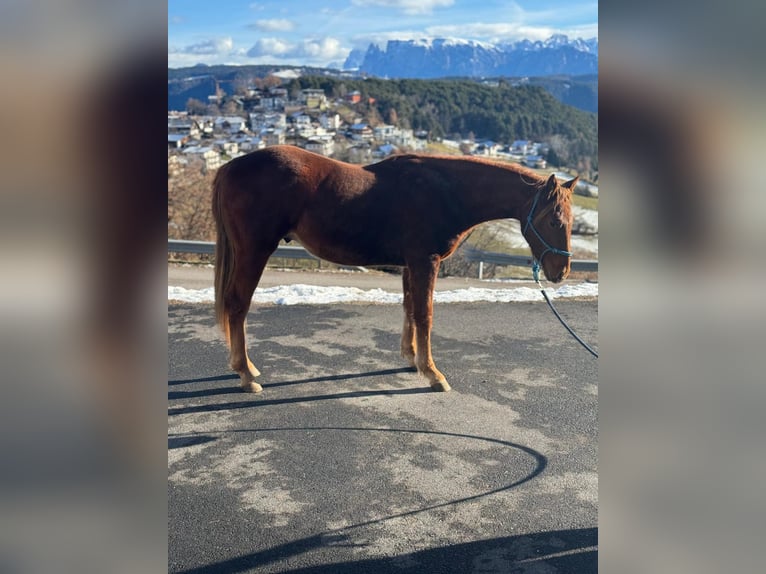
x,y
321,32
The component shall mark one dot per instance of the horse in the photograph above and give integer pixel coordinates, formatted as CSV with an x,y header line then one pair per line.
x,y
409,210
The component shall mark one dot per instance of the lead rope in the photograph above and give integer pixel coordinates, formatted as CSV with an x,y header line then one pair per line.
x,y
536,275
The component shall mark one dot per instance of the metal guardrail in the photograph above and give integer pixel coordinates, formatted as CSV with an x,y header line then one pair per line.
x,y
482,257
298,252
208,248
474,255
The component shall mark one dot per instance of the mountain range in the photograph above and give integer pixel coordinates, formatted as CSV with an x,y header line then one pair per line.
x,y
450,57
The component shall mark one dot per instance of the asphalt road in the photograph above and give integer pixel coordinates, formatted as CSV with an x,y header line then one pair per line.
x,y
347,462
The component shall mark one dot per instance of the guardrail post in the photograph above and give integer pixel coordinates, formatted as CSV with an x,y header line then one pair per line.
x,y
481,269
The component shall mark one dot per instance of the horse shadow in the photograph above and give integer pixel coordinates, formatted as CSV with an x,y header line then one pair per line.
x,y
572,551
231,390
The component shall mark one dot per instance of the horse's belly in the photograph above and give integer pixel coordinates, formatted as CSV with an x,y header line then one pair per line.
x,y
361,249
350,255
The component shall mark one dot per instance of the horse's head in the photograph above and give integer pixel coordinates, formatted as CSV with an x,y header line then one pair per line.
x,y
547,227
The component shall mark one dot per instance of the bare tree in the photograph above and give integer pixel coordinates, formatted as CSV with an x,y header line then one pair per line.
x,y
189,212
195,107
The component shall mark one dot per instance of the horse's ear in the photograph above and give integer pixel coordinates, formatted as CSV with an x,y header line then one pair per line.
x,y
572,183
551,184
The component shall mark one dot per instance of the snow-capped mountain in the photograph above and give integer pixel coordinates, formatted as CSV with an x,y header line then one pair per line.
x,y
440,57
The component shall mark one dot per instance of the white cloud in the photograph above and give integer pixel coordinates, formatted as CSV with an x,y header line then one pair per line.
x,y
273,25
310,51
326,48
498,32
494,33
407,6
209,47
381,38
270,47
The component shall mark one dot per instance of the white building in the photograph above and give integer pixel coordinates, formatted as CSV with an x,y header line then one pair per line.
x,y
273,136
321,146
264,120
231,124
212,158
330,121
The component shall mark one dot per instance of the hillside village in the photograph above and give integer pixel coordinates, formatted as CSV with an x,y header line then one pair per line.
x,y
211,133
310,120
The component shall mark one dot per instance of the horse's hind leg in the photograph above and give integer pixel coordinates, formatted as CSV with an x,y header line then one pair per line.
x,y
238,305
408,330
422,281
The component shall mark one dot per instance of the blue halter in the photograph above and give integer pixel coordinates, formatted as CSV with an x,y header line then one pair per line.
x,y
536,263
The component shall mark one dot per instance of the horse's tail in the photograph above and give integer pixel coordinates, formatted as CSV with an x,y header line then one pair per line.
x,y
224,256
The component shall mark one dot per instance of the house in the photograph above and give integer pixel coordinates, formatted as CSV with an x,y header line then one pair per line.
x,y
212,159
183,125
313,99
536,161
206,124
320,146
384,133
384,151
248,143
228,147
273,103
487,147
404,138
354,97
176,141
330,121
360,153
263,120
303,125
520,147
231,124
361,132
273,136
276,99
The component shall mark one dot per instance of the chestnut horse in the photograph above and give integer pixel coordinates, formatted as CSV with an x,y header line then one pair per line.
x,y
408,210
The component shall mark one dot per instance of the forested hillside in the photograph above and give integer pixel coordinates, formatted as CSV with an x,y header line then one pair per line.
x,y
460,108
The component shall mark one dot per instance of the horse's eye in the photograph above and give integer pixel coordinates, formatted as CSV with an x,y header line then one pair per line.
x,y
555,222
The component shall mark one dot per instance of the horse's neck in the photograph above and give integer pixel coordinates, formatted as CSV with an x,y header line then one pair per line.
x,y
500,197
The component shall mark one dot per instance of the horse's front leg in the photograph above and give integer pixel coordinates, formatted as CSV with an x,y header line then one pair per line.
x,y
422,279
408,330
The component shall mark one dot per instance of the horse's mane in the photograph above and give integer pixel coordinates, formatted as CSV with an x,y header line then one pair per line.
x,y
514,167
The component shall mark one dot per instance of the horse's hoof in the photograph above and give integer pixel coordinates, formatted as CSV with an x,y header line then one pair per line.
x,y
441,386
251,387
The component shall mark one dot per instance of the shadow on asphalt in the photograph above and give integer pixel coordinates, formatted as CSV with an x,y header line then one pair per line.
x,y
176,395
541,461
569,551
229,377
345,377
258,402
184,441
565,551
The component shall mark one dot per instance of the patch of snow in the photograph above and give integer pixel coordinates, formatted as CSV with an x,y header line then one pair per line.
x,y
287,74
316,295
508,231
587,216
